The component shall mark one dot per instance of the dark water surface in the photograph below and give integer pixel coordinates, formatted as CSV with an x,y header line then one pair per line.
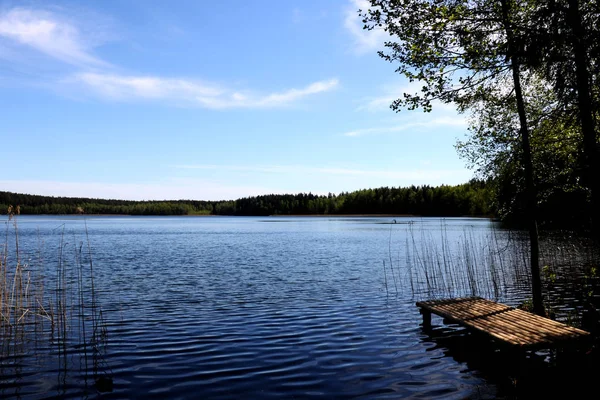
x,y
219,307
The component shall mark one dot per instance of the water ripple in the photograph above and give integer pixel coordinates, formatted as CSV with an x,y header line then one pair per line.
x,y
207,308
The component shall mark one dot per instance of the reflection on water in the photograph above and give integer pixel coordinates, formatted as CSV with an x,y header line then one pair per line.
x,y
513,375
218,307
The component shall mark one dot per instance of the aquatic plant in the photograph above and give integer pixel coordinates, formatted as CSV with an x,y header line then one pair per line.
x,y
495,265
56,307
472,265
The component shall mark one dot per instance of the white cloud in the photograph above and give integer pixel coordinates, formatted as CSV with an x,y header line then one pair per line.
x,y
322,181
447,121
294,94
62,39
393,91
237,181
126,87
414,175
173,189
379,103
123,87
279,169
442,114
48,34
364,41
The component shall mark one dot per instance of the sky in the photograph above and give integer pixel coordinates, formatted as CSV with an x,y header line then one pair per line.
x,y
209,100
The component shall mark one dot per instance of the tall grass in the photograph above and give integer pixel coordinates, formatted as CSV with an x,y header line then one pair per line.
x,y
471,265
495,264
51,310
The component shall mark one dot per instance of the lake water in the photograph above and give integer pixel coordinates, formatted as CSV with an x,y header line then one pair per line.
x,y
277,307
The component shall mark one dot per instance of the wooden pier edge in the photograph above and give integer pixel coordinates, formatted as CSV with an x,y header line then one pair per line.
x,y
518,328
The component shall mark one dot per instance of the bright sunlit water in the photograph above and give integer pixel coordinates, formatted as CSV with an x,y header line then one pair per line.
x,y
276,307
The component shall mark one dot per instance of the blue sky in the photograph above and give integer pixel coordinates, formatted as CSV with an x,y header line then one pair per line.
x,y
208,100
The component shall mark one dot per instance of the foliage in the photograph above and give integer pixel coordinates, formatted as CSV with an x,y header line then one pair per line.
x,y
455,48
492,149
462,52
472,198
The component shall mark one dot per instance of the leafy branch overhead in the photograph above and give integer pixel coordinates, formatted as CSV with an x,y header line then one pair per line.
x,y
459,52
485,56
456,49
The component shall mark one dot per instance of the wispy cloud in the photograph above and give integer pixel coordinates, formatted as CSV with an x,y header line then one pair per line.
x,y
63,39
294,94
391,92
448,121
149,87
395,90
49,34
277,169
123,87
442,115
378,103
325,180
415,175
364,41
170,189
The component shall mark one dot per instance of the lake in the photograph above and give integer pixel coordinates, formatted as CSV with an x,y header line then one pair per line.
x,y
269,307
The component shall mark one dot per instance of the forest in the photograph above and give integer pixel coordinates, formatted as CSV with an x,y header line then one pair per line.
x,y
527,76
469,199
527,73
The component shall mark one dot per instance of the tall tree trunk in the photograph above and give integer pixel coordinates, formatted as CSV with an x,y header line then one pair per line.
x,y
530,192
586,117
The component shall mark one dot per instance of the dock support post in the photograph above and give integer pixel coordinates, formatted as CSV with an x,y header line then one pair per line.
x,y
426,319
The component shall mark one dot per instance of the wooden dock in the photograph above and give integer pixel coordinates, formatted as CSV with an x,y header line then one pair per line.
x,y
509,325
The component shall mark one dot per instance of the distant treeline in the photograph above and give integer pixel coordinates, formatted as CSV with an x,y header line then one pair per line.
x,y
473,199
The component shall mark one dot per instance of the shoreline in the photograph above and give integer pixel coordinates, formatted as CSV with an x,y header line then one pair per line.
x,y
264,216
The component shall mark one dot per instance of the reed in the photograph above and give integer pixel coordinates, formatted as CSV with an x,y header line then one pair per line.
x,y
51,308
495,265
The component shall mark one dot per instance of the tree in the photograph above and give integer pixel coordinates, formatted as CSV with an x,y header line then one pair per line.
x,y
460,50
572,64
558,45
531,201
493,148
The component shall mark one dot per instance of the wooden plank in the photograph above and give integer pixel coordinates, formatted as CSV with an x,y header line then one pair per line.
x,y
502,322
464,308
467,311
511,337
517,336
510,323
548,323
496,324
539,325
